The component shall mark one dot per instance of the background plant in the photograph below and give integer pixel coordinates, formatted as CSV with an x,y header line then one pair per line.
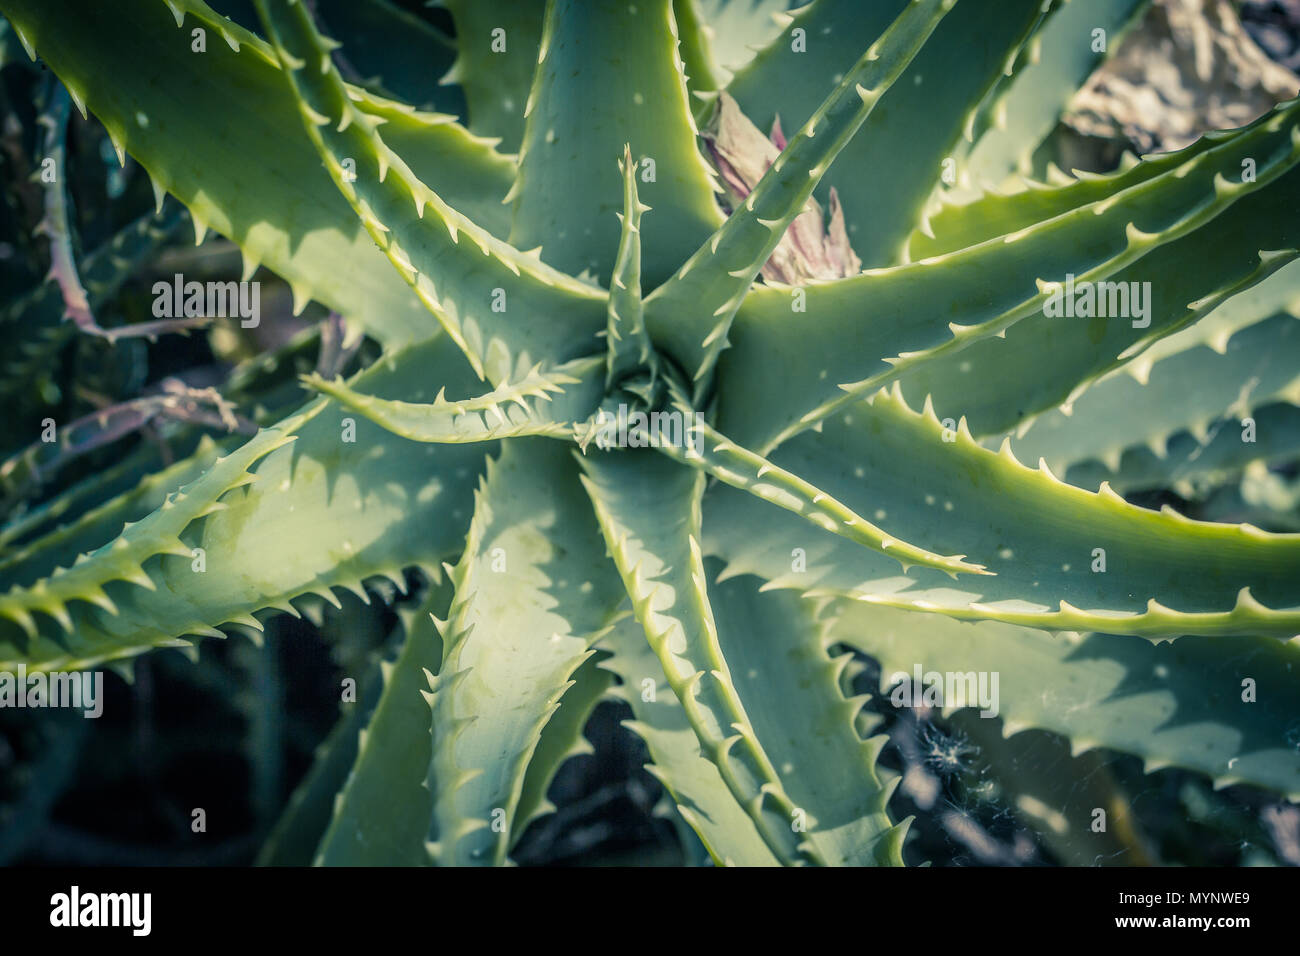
x,y
738,605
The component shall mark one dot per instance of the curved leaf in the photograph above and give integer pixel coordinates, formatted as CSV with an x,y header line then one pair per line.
x,y
173,113
1063,558
648,509
325,512
714,280
1177,704
694,783
496,303
865,331
533,591
609,74
791,689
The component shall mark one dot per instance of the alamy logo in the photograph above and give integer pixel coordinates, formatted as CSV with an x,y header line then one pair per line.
x,y
74,908
637,429
215,300
1085,300
80,690
948,689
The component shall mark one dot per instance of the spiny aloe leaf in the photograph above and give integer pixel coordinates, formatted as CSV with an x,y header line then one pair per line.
x,y
649,511
1164,575
346,502
626,338
695,44
1000,383
715,278
790,686
496,42
789,74
73,502
381,812
157,534
39,462
741,468
989,288
534,402
171,111
387,50
498,304
55,532
738,29
1193,463
1278,293
62,546
561,739
960,221
526,610
694,783
1188,390
1181,704
899,158
1058,59
1090,435
609,74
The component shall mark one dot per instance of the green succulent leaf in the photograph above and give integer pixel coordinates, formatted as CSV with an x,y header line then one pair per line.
x,y
1180,704
396,52
649,511
737,29
1192,464
773,484
716,277
532,403
695,44
62,546
961,221
323,512
516,633
496,44
991,287
1063,558
608,75
381,812
154,536
1070,355
923,117
628,342
464,275
561,739
694,783
175,119
790,686
1186,391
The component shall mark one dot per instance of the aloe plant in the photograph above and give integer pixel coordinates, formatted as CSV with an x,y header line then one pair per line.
x,y
680,412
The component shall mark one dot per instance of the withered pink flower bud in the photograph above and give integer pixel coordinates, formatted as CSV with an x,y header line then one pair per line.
x,y
811,248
